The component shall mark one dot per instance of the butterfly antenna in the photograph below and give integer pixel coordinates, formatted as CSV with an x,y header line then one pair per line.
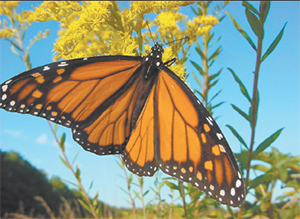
x,y
150,31
177,40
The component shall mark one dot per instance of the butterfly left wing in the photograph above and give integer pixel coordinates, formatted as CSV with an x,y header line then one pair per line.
x,y
189,144
93,96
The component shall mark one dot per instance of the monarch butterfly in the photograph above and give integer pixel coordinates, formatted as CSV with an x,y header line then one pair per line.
x,y
137,107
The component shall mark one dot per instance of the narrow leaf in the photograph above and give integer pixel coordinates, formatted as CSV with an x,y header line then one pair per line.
x,y
249,6
145,193
242,86
215,54
196,79
172,185
14,44
55,128
73,184
73,161
213,83
255,24
264,9
198,92
283,173
77,173
199,51
266,143
217,105
210,36
261,179
274,44
15,52
198,68
84,205
242,113
240,29
64,162
62,141
211,99
211,77
237,135
194,11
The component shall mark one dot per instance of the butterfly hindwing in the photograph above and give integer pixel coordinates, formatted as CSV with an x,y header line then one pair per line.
x,y
139,154
190,145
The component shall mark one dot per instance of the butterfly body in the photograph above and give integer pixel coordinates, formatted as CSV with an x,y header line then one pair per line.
x,y
136,107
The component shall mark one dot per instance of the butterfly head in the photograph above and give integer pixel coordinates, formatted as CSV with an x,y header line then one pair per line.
x,y
153,60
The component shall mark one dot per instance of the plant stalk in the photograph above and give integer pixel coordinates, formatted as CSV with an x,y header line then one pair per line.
x,y
73,172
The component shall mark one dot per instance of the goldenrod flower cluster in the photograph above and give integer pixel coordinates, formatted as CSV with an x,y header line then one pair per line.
x,y
92,28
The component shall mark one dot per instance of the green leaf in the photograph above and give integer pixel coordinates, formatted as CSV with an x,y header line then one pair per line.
x,y
264,9
237,135
210,36
196,79
229,209
242,86
274,44
172,185
283,173
145,193
27,60
198,92
64,162
213,76
77,173
261,179
266,143
199,51
213,83
242,113
211,99
240,29
62,141
194,11
255,24
84,205
123,190
14,44
91,185
73,184
75,157
215,54
249,6
217,105
262,168
15,52
198,68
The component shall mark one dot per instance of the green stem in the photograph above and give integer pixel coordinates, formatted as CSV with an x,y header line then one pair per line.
x,y
254,108
73,172
142,196
128,188
205,87
183,197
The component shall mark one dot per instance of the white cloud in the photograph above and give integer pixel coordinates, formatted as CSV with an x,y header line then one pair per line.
x,y
13,133
42,139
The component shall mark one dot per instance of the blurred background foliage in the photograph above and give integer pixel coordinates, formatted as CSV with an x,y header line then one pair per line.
x,y
103,28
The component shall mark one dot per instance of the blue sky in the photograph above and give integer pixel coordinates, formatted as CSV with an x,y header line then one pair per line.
x,y
278,86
